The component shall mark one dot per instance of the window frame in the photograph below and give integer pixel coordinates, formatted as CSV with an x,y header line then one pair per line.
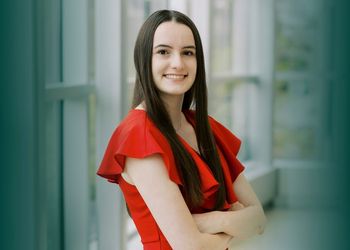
x,y
71,101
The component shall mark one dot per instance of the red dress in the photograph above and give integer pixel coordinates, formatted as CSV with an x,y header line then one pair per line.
x,y
138,137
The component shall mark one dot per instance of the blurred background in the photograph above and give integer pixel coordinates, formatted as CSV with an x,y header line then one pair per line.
x,y
278,77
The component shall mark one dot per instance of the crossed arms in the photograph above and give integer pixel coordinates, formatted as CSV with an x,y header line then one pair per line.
x,y
213,230
245,218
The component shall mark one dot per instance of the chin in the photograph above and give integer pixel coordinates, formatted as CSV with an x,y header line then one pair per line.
x,y
175,90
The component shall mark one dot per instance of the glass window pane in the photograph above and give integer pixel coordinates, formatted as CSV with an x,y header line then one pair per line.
x,y
297,116
222,40
135,17
298,119
75,174
297,24
230,103
74,41
69,41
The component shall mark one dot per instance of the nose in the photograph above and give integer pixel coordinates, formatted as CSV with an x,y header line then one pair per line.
x,y
176,61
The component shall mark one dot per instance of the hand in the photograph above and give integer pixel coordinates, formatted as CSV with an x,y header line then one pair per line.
x,y
245,232
236,206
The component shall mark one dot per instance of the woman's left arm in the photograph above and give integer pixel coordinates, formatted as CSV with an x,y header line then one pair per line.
x,y
245,218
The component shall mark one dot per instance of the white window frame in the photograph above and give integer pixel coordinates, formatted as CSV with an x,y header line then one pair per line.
x,y
71,94
110,103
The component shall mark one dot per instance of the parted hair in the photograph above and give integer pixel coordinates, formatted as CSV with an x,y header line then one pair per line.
x,y
195,98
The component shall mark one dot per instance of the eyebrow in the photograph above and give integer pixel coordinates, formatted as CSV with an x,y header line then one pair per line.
x,y
168,46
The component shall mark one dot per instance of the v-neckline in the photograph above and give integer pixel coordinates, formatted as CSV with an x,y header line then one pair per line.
x,y
187,144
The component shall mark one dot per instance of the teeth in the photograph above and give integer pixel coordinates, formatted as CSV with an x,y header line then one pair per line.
x,y
174,76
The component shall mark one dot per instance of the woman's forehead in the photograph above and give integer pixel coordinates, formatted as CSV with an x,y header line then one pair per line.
x,y
173,34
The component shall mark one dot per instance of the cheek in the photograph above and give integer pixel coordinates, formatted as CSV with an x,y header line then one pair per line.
x,y
156,67
194,67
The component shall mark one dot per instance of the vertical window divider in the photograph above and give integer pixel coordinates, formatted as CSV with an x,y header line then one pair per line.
x,y
61,175
39,147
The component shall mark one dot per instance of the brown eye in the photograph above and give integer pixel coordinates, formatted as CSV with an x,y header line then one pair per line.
x,y
163,52
188,53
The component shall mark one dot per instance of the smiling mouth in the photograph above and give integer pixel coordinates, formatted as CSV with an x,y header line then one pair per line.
x,y
175,76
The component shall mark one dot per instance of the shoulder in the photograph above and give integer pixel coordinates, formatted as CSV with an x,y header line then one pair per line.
x,y
135,119
137,132
135,137
135,124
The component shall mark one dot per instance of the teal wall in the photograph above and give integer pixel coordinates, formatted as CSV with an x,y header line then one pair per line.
x,y
18,144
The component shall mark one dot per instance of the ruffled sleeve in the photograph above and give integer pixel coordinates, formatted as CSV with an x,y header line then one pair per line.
x,y
229,146
135,137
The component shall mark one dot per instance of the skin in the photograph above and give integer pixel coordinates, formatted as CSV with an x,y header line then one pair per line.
x,y
174,65
245,219
174,68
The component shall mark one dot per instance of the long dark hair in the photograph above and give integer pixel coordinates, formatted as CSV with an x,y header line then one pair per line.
x,y
145,90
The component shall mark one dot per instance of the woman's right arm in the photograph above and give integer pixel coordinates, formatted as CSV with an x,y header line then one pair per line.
x,y
165,201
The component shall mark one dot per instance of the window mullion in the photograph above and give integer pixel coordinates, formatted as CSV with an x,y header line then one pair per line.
x,y
58,91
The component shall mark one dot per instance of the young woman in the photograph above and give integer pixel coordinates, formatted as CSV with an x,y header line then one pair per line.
x,y
176,166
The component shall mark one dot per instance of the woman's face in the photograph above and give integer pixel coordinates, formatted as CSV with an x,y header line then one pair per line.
x,y
174,62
